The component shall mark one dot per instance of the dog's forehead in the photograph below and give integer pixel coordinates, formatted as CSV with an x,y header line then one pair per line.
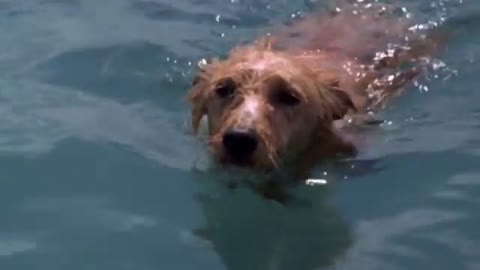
x,y
265,63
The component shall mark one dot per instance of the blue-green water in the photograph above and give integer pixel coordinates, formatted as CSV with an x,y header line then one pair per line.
x,y
99,171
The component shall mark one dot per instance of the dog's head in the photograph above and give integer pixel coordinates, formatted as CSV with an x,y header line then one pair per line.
x,y
264,106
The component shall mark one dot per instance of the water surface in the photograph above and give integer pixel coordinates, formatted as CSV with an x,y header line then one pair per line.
x,y
99,171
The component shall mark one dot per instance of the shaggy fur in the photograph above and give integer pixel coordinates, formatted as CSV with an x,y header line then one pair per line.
x,y
292,88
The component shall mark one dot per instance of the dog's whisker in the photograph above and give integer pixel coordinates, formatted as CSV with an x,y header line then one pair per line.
x,y
273,160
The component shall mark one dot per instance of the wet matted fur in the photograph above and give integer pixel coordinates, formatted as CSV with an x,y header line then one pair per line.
x,y
287,92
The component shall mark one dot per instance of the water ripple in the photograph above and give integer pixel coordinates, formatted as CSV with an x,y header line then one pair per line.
x,y
37,116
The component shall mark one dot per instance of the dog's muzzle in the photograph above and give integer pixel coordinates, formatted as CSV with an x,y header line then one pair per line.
x,y
240,144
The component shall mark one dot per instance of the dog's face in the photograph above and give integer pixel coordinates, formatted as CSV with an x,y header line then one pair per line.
x,y
264,107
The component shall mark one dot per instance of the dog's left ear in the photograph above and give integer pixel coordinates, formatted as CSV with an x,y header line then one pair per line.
x,y
342,103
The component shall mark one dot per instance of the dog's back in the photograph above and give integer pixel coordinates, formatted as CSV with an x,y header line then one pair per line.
x,y
355,31
373,41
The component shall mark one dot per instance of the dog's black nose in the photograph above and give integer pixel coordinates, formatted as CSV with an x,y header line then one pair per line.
x,y
240,143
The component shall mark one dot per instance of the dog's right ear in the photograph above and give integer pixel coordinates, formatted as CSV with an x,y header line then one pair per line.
x,y
197,96
200,76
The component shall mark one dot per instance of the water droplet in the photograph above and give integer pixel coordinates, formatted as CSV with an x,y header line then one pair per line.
x,y
315,182
202,63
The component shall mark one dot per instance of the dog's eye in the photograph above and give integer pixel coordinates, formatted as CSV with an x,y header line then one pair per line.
x,y
287,97
226,88
281,92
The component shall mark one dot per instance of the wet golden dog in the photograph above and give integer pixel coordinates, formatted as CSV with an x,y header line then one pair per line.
x,y
284,98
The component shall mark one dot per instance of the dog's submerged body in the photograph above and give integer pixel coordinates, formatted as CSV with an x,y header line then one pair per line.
x,y
279,100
